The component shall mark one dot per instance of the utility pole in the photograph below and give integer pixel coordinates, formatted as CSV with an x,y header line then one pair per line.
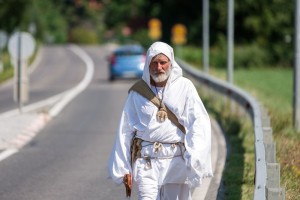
x,y
230,40
205,19
296,97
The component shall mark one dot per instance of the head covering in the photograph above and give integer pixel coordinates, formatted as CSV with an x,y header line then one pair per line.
x,y
155,49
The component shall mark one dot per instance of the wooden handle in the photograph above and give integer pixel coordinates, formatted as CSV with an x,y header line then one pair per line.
x,y
127,180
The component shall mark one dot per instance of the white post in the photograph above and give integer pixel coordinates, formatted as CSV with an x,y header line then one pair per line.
x,y
296,99
230,41
205,55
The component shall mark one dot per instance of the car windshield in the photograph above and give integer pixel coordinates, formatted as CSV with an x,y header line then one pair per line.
x,y
128,53
129,50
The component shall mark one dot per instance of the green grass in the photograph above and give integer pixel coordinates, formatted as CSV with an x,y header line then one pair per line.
x,y
238,175
273,88
8,70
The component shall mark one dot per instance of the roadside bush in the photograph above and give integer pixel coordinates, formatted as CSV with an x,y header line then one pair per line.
x,y
82,35
244,56
250,56
142,37
7,67
191,54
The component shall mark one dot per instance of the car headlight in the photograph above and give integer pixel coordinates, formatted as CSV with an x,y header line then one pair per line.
x,y
141,66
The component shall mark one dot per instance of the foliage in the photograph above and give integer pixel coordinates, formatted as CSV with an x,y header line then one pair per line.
x,y
244,56
142,36
191,53
52,27
265,25
81,35
7,68
268,24
12,13
51,19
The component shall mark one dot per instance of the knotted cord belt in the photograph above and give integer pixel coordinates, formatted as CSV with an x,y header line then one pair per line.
x,y
136,147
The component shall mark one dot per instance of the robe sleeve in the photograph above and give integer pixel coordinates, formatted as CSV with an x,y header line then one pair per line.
x,y
197,138
119,161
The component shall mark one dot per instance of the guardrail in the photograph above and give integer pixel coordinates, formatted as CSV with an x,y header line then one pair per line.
x,y
267,170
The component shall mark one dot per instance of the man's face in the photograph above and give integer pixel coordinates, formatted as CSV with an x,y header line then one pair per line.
x,y
160,68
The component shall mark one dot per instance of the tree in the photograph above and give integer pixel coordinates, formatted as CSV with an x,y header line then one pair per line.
x,y
12,13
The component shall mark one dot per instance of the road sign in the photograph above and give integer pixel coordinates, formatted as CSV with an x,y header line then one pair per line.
x,y
154,29
21,45
179,32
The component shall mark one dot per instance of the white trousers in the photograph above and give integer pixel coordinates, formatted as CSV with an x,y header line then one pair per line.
x,y
169,191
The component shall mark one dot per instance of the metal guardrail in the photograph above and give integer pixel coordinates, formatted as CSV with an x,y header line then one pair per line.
x,y
267,170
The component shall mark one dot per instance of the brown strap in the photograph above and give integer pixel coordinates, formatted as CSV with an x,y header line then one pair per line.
x,y
143,89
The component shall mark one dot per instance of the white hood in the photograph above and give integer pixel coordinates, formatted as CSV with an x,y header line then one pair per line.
x,y
157,48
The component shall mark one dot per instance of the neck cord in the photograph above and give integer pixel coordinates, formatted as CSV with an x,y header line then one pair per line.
x,y
162,95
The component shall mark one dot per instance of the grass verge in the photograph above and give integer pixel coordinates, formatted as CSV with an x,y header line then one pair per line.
x,y
272,86
238,176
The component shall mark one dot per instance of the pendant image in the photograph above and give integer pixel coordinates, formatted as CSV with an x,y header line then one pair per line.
x,y
162,115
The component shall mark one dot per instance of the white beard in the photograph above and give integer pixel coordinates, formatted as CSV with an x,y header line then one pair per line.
x,y
161,77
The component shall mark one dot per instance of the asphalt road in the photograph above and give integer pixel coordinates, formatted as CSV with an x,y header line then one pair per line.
x,y
67,159
56,70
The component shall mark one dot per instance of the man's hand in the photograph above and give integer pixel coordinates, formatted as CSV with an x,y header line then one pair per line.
x,y
127,180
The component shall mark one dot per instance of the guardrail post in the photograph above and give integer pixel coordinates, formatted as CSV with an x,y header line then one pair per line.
x,y
268,134
270,152
273,174
275,193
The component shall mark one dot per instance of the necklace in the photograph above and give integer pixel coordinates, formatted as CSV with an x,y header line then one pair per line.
x,y
162,111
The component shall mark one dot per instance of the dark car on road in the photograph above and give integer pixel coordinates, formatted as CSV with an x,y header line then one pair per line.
x,y
127,61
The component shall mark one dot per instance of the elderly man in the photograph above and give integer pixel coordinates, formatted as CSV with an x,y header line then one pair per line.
x,y
165,145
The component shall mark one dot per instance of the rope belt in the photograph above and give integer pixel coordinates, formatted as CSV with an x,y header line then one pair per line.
x,y
136,147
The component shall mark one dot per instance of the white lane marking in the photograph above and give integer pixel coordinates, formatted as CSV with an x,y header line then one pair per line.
x,y
60,101
80,87
8,152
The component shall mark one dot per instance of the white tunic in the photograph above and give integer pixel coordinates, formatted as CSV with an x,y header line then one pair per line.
x,y
139,115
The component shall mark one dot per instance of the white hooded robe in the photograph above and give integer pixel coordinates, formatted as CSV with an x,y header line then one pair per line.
x,y
139,116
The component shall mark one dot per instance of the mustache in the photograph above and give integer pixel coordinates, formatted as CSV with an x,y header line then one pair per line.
x,y
160,76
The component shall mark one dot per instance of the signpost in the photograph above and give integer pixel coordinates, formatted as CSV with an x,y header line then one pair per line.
x,y
21,46
179,32
154,29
